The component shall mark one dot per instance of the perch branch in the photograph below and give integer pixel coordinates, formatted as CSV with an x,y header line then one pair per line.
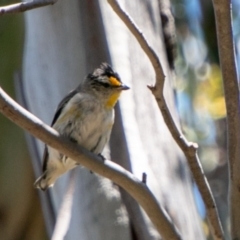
x,y
108,169
25,6
230,81
189,149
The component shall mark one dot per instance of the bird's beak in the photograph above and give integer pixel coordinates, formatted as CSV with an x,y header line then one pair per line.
x,y
124,87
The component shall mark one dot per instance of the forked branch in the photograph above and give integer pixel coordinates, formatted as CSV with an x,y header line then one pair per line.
x,y
189,149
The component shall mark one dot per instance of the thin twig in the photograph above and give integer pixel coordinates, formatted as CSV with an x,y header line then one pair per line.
x,y
189,149
231,88
25,6
141,40
138,190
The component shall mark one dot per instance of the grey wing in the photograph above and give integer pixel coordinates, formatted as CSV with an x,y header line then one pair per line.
x,y
62,104
56,115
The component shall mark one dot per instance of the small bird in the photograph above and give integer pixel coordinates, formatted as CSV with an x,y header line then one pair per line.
x,y
85,116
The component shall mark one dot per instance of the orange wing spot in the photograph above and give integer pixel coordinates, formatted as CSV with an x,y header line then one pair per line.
x,y
114,82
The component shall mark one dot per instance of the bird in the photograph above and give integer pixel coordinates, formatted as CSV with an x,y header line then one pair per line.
x,y
84,116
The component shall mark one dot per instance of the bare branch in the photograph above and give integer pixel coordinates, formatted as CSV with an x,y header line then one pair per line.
x,y
114,172
25,6
189,149
141,40
231,88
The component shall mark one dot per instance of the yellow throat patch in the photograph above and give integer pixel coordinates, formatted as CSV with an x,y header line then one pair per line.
x,y
113,99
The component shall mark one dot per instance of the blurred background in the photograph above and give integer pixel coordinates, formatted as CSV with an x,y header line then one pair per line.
x,y
198,97
20,211
199,91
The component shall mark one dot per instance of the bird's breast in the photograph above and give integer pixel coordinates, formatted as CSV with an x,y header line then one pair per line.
x,y
93,128
112,100
87,121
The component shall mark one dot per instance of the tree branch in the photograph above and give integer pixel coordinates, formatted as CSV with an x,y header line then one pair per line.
x,y
189,149
141,40
230,81
25,6
138,190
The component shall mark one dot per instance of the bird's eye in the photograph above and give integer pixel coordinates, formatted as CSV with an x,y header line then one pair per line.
x,y
106,85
